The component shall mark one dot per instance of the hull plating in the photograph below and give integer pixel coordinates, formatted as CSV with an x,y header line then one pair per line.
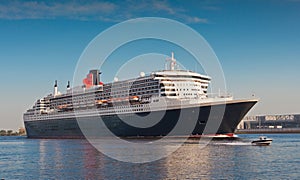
x,y
69,128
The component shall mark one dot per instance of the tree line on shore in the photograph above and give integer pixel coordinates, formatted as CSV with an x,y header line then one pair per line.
x,y
20,132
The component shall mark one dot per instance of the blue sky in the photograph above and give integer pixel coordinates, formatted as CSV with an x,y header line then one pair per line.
x,y
257,43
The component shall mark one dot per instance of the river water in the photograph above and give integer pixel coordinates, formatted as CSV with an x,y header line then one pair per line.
x,y
22,158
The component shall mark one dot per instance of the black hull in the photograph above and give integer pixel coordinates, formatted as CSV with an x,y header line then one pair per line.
x,y
70,128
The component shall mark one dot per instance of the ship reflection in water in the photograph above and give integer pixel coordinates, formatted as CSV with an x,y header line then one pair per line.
x,y
23,158
78,159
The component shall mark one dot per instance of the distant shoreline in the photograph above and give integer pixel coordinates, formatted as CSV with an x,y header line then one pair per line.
x,y
13,135
268,131
21,132
238,131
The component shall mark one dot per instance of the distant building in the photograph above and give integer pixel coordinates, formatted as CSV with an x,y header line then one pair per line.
x,y
22,131
270,122
2,132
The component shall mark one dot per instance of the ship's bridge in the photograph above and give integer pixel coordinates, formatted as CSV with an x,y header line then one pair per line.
x,y
176,83
182,84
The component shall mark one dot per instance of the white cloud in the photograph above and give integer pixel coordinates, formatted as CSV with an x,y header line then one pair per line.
x,y
163,6
196,20
93,10
53,9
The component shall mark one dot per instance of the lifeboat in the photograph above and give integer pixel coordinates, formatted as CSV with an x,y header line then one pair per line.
x,y
99,102
62,106
134,98
102,102
65,107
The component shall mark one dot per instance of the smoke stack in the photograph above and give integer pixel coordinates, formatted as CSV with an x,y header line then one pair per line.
x,y
96,76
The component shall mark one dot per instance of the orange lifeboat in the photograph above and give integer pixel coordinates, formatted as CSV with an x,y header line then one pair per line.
x,y
134,98
62,106
101,101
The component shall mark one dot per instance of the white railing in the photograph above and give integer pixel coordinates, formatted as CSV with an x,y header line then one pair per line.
x,y
219,95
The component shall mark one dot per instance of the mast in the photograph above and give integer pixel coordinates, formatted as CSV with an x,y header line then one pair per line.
x,y
68,86
172,62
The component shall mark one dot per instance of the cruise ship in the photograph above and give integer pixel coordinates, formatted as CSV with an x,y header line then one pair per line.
x,y
170,102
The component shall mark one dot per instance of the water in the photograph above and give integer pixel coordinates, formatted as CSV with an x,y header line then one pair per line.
x,y
22,158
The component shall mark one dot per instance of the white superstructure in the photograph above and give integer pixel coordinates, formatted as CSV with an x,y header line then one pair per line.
x,y
172,86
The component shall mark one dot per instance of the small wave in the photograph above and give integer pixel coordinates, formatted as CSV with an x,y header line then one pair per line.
x,y
234,143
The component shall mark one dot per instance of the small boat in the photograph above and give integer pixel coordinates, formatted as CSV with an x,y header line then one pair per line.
x,y
262,141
